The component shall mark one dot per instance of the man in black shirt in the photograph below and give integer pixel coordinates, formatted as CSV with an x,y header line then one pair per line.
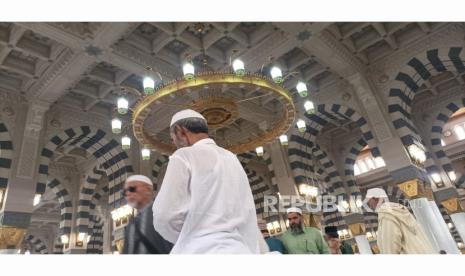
x,y
139,235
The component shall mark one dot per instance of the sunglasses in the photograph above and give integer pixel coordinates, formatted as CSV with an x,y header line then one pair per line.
x,y
132,189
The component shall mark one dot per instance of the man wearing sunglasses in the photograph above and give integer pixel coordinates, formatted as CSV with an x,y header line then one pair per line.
x,y
139,235
205,204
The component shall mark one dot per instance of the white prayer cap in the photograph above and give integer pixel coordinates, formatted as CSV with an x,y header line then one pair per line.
x,y
376,192
139,177
294,210
184,114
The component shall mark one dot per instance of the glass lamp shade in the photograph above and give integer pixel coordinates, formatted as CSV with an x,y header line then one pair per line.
x,y
259,151
145,154
283,139
276,74
126,142
116,126
189,71
238,67
302,89
123,106
149,85
309,107
301,125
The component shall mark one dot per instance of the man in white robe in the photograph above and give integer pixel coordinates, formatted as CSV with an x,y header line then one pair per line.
x,y
398,231
205,204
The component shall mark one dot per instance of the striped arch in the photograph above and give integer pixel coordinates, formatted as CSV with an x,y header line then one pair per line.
x,y
157,166
407,82
37,244
66,205
301,152
95,244
86,196
326,113
349,163
441,118
108,153
258,185
6,156
269,164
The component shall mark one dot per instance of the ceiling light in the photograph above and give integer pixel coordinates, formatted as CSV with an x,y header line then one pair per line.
x,y
452,175
64,239
81,236
126,142
309,107
259,151
116,126
302,89
149,85
189,71
283,140
238,67
301,125
276,74
145,154
37,198
123,105
436,178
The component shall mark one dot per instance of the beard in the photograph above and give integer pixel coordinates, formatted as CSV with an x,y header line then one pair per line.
x,y
297,228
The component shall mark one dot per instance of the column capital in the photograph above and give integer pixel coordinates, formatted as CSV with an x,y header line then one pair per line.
x,y
452,205
357,229
11,237
413,188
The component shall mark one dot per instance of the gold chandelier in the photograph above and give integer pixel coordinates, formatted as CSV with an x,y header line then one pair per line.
x,y
220,109
214,94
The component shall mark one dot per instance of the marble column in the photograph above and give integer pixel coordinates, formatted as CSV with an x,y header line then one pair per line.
x,y
428,216
456,213
18,203
282,170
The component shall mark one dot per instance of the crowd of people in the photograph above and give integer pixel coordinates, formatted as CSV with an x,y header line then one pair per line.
x,y
205,206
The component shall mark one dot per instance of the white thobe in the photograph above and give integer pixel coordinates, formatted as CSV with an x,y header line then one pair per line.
x,y
399,232
205,204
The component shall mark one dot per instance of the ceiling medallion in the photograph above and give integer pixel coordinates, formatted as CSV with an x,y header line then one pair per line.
x,y
222,96
219,111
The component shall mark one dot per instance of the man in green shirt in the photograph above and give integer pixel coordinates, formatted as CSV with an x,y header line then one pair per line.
x,y
300,239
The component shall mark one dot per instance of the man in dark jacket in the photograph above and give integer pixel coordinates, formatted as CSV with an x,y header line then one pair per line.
x,y
336,246
139,235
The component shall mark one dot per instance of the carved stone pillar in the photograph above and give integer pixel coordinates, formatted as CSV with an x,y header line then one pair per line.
x,y
423,206
282,170
456,213
18,205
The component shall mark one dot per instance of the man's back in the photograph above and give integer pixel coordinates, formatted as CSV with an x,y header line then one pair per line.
x,y
216,211
399,232
141,238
